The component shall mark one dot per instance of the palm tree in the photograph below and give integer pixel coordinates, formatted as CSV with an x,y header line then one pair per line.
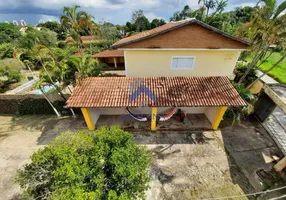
x,y
86,67
77,21
39,85
267,27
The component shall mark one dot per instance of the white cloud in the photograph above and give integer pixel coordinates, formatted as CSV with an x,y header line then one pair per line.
x,y
48,18
150,16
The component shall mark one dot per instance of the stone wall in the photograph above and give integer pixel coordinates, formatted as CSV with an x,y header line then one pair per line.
x,y
31,104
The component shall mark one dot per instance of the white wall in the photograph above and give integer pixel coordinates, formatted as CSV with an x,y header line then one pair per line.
x,y
210,112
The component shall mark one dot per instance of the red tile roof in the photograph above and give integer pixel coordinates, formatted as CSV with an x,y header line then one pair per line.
x,y
108,92
109,53
77,54
88,38
168,27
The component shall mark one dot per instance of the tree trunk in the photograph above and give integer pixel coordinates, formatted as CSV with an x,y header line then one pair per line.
x,y
265,59
279,61
57,88
250,66
30,70
55,110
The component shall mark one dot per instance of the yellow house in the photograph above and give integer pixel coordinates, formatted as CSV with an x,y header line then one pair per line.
x,y
184,64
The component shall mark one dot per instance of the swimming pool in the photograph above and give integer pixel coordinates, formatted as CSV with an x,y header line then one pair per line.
x,y
46,88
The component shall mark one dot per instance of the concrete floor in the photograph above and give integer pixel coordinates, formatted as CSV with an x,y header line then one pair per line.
x,y
254,151
192,122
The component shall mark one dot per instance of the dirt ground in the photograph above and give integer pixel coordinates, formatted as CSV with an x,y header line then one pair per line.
x,y
186,164
191,165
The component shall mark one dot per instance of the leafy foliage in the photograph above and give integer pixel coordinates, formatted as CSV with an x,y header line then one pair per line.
x,y
9,73
157,22
105,164
6,50
43,37
110,33
9,33
240,70
55,27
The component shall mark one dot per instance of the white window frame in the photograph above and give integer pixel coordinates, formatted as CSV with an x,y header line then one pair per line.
x,y
183,57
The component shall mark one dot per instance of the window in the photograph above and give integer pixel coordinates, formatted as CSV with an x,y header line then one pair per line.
x,y
183,62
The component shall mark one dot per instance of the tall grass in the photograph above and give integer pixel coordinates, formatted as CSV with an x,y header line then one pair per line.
x,y
279,72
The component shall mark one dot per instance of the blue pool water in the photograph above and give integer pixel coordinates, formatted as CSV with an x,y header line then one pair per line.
x,y
46,88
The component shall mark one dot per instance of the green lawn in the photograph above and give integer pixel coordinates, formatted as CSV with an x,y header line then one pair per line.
x,y
279,72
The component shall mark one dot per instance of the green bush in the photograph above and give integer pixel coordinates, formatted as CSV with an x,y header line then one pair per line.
x,y
240,70
30,106
9,73
38,106
105,164
6,50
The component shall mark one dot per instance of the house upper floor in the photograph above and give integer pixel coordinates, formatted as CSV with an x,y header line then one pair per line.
x,y
183,48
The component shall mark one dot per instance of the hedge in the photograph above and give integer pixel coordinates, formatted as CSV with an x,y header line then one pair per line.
x,y
30,106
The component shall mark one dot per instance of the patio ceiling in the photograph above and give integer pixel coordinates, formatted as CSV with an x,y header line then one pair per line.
x,y
111,92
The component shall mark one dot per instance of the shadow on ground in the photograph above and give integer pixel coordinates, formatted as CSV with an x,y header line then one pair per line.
x,y
250,146
50,126
191,165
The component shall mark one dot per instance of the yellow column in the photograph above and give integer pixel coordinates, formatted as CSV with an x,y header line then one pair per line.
x,y
218,117
153,118
115,62
88,119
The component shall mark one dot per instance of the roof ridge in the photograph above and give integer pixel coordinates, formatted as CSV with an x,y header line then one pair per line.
x,y
177,24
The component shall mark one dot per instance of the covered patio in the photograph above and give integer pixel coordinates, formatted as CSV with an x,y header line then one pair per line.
x,y
114,59
191,122
141,102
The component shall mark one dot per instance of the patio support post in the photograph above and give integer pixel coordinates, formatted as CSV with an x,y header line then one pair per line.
x,y
115,62
218,117
88,119
153,118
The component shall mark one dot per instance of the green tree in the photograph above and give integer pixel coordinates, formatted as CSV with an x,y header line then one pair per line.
x,y
267,27
157,22
78,23
6,50
9,33
242,14
110,33
105,164
56,27
87,66
181,15
135,15
9,73
130,27
142,24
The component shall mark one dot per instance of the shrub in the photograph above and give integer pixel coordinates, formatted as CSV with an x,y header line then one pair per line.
x,y
9,73
240,70
6,50
106,164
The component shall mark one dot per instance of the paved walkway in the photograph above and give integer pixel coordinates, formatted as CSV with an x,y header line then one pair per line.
x,y
276,127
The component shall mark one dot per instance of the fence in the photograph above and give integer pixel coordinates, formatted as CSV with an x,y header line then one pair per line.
x,y
24,104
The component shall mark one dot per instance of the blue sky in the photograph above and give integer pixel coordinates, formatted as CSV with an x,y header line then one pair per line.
x,y
114,11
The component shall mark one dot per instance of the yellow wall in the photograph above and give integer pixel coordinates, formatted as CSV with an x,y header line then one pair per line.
x,y
158,62
257,87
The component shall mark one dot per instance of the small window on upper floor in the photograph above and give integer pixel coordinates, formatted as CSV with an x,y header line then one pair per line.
x,y
183,62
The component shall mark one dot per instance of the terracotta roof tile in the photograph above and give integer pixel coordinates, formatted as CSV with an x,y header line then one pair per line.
x,y
109,53
168,27
108,92
147,33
